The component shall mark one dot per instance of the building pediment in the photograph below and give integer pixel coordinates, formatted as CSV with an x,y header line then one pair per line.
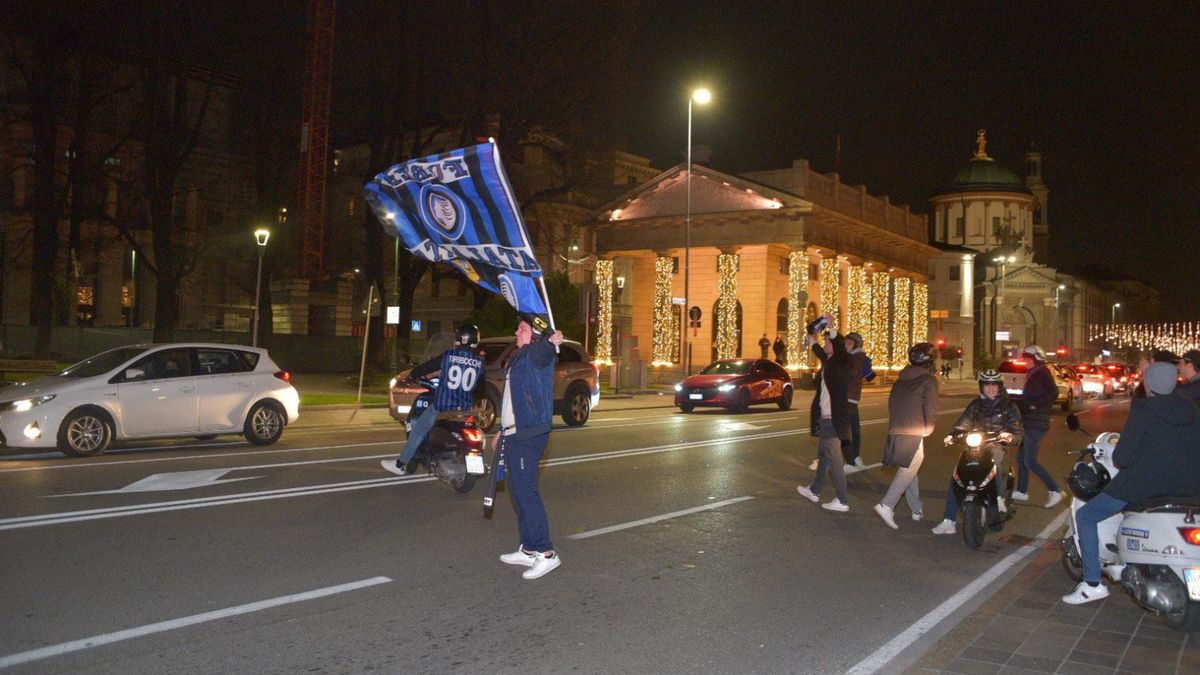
x,y
666,196
1032,275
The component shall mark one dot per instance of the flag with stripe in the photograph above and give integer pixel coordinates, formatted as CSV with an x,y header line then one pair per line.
x,y
458,207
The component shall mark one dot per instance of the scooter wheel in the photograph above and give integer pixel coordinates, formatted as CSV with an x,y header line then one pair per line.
x,y
1071,562
1187,621
974,524
466,484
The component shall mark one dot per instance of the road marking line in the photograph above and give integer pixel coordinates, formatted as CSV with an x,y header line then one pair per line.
x,y
655,519
182,622
882,656
82,465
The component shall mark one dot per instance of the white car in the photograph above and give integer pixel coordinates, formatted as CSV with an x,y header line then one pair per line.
x,y
151,391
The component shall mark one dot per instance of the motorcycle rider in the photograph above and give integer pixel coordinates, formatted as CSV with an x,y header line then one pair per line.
x,y
991,413
461,375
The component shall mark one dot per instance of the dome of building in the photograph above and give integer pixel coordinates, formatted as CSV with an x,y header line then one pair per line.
x,y
983,174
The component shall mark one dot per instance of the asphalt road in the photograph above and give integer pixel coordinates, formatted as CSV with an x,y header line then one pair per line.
x,y
685,549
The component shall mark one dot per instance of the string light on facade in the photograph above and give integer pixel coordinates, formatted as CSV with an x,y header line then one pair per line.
x,y
727,269
858,303
665,328
920,313
604,317
877,342
797,290
901,321
829,288
1177,337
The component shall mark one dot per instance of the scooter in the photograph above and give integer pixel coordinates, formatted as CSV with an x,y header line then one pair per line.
x,y
1093,470
977,484
1156,548
453,450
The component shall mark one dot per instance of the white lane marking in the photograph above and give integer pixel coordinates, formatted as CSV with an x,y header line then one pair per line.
x,y
101,464
741,426
182,622
882,656
177,480
655,519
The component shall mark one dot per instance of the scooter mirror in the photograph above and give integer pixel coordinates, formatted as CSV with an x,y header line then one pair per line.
x,y
1072,422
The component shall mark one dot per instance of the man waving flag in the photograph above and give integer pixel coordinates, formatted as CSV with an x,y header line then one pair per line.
x,y
457,207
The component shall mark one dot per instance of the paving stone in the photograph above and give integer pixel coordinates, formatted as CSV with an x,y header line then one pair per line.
x,y
1156,643
985,654
1052,639
1039,663
1094,658
1056,652
1152,654
972,667
1076,668
1147,668
1055,628
1090,635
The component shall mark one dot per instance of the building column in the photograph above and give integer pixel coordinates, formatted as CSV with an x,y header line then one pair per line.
x,y
604,315
858,306
797,301
727,338
830,271
878,342
665,344
920,312
901,321
843,296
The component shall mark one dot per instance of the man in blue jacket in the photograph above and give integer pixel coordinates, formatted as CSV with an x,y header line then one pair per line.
x,y
525,412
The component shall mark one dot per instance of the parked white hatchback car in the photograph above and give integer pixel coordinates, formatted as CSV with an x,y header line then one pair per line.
x,y
151,391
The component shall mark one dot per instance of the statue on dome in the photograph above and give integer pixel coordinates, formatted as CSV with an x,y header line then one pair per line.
x,y
981,144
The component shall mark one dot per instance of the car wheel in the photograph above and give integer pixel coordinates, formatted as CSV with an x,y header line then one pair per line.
x,y
577,406
742,402
785,401
85,432
264,425
687,407
487,412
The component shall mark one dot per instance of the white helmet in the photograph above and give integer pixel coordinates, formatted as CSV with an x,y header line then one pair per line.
x,y
1035,351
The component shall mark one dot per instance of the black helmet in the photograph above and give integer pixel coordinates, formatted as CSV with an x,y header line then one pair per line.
x,y
990,376
858,339
467,334
920,354
1087,480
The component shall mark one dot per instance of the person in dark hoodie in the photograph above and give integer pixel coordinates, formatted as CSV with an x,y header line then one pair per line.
x,y
912,415
1158,456
860,371
1189,374
1040,393
992,413
831,417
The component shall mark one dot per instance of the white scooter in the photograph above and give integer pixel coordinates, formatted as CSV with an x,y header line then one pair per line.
x,y
1097,459
1152,548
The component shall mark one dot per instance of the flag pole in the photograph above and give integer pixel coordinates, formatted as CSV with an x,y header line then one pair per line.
x,y
549,309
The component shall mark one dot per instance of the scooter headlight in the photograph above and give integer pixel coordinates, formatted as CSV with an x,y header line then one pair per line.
x,y
974,439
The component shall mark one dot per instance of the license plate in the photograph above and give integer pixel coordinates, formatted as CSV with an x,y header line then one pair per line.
x,y
1015,392
1192,576
474,463
696,397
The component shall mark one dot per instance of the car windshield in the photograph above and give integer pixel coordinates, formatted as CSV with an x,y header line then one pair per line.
x,y
102,362
728,368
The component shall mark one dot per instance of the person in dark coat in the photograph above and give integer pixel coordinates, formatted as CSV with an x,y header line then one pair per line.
x,y
912,415
1039,396
764,344
831,417
780,349
1189,375
1158,456
860,371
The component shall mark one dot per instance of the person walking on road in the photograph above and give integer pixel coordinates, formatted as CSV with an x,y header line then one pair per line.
x,y
860,371
525,412
912,416
764,344
831,419
1036,401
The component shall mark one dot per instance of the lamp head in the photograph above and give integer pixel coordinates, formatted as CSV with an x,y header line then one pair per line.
x,y
702,96
261,235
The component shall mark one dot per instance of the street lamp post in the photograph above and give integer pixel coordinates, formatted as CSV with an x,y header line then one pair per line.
x,y
1115,307
1058,314
999,315
701,96
261,235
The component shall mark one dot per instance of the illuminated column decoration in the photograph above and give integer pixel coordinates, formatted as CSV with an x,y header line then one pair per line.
x,y
901,321
797,284
604,318
858,303
666,333
727,269
829,287
878,346
920,313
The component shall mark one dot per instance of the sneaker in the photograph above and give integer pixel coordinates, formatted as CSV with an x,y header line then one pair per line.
x,y
519,557
391,467
1020,496
836,505
1085,592
815,463
944,527
918,516
885,512
1055,498
850,468
859,463
1001,505
808,494
543,564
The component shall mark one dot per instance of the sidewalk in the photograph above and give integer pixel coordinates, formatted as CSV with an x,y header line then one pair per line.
x,y
1037,633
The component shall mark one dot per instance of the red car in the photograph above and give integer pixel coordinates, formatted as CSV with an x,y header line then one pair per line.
x,y
736,384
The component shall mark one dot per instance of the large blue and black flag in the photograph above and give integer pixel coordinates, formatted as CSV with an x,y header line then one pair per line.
x,y
457,207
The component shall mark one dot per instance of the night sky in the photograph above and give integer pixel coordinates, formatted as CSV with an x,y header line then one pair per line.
x,y
1107,92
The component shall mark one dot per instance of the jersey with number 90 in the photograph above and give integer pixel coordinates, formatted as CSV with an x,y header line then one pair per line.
x,y
461,376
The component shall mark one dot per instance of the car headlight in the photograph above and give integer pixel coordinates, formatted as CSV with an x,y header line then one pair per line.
x,y
727,387
392,383
679,387
26,404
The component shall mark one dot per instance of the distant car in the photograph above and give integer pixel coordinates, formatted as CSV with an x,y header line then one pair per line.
x,y
736,384
576,384
151,391
1097,381
1122,376
1015,371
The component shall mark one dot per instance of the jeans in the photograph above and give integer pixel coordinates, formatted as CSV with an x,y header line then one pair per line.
x,y
951,511
851,452
1087,518
420,431
829,448
905,481
1027,460
521,459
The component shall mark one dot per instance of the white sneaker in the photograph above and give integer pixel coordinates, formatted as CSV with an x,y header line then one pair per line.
x,y
807,494
835,505
390,466
543,564
1020,496
1085,593
849,469
859,463
518,557
1055,498
918,516
1001,504
944,527
885,512
815,463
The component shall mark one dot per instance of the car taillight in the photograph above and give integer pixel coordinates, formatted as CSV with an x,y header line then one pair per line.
x,y
1191,535
284,375
473,435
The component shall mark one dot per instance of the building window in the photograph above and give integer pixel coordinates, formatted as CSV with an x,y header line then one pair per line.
x,y
350,206
955,272
675,264
958,226
785,267
814,271
996,225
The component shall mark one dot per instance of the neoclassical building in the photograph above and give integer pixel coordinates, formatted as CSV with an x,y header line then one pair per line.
x,y
769,250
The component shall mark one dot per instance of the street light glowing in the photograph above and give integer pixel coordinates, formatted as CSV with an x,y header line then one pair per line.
x,y
261,235
702,96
